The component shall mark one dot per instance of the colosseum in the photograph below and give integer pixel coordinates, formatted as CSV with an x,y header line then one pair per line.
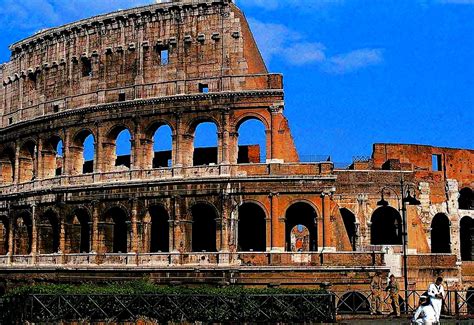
x,y
72,208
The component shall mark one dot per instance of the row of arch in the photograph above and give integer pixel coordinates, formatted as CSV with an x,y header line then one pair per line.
x,y
300,230
115,234
386,229
117,150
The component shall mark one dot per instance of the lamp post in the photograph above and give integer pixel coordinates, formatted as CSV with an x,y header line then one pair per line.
x,y
406,198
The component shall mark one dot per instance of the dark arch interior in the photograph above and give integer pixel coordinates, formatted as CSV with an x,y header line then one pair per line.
x,y
466,235
4,229
27,162
86,141
204,228
353,302
466,199
440,234
48,233
79,232
23,234
7,166
160,234
252,228
116,231
301,214
349,223
386,227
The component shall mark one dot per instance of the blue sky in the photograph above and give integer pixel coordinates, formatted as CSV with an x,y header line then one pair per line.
x,y
356,71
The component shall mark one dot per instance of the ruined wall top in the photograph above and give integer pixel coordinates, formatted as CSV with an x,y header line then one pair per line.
x,y
161,6
180,47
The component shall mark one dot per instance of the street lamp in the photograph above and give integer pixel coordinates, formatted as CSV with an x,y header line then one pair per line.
x,y
407,198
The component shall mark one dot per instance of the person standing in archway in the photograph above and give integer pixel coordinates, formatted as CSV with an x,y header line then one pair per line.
x,y
436,293
393,289
376,290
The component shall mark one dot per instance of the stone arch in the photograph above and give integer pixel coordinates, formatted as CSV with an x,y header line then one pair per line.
x,y
252,148
81,150
48,227
160,229
117,155
114,230
52,157
23,233
386,228
27,161
204,227
466,199
466,238
157,155
301,227
4,234
252,227
251,116
349,219
78,231
440,234
353,302
7,166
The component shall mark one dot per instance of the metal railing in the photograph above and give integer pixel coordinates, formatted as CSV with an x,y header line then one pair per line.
x,y
289,308
458,304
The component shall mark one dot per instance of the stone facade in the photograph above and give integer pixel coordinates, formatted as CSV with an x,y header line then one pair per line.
x,y
200,214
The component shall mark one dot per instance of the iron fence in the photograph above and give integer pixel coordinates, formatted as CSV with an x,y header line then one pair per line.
x,y
289,308
457,304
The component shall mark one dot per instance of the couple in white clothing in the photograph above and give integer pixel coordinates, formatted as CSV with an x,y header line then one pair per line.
x,y
429,310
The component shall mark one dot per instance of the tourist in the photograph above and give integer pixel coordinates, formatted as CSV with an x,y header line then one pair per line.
x,y
393,289
376,290
425,314
436,293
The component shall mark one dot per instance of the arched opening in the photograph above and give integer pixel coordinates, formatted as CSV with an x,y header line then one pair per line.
x,y
301,220
52,157
353,303
386,227
48,233
466,236
466,199
470,301
22,234
27,162
205,144
440,234
252,142
4,230
162,146
252,228
7,166
349,223
115,231
204,228
123,150
82,153
78,232
160,229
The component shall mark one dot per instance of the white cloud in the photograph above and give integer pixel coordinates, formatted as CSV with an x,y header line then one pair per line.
x,y
354,60
278,41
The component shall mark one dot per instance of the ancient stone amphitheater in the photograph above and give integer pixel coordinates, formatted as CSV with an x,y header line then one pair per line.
x,y
201,215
